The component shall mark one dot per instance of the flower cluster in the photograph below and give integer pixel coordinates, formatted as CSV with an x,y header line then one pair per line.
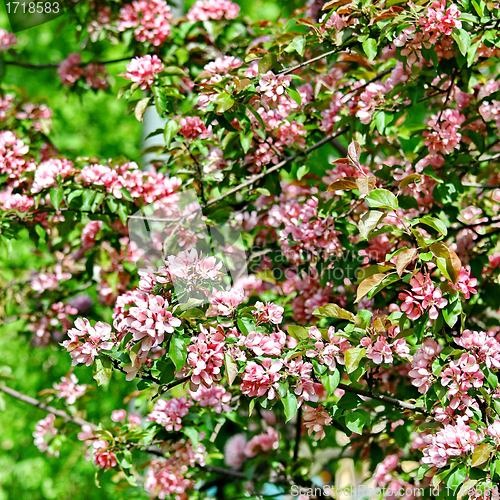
x,y
143,70
169,413
204,10
69,389
424,296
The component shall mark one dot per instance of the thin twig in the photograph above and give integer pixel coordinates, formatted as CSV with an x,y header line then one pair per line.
x,y
56,65
386,399
276,167
47,408
309,61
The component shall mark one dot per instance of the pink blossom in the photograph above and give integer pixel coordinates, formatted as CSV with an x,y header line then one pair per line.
x,y
421,372
258,380
165,478
150,20
46,173
134,419
439,21
272,87
328,353
485,348
444,136
69,390
103,458
452,441
268,313
300,374
169,413
118,415
19,202
215,396
465,283
86,342
234,451
206,355
70,70
193,127
143,70
89,232
379,352
315,419
7,40
262,443
45,427
204,10
269,344
226,302
12,152
494,431
222,65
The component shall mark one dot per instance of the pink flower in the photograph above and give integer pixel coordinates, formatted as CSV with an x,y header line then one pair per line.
x,y
169,413
86,342
379,352
135,419
70,70
149,19
262,443
234,451
193,127
89,232
143,70
118,415
206,355
103,458
315,419
12,152
222,65
421,372
204,10
47,172
259,379
19,202
485,348
45,427
215,396
268,313
439,21
69,390
262,343
452,441
494,431
465,283
7,40
226,302
165,478
445,135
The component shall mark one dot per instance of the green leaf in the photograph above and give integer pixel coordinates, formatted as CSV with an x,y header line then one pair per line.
x,y
246,140
463,40
382,198
333,311
141,107
330,381
266,63
368,285
290,405
88,198
294,95
355,421
303,170
102,370
369,221
370,48
126,194
298,332
352,358
224,102
380,122
178,351
56,197
99,198
298,44
231,368
171,129
452,312
435,223
123,213
193,435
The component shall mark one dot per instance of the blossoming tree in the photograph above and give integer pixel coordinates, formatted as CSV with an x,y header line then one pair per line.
x,y
355,150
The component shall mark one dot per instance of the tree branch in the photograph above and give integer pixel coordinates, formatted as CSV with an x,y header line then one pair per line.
x,y
386,399
56,65
276,167
47,408
309,61
298,431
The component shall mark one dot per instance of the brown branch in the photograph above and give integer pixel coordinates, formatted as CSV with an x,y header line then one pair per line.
x,y
47,408
276,167
298,432
56,65
482,186
309,61
386,399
